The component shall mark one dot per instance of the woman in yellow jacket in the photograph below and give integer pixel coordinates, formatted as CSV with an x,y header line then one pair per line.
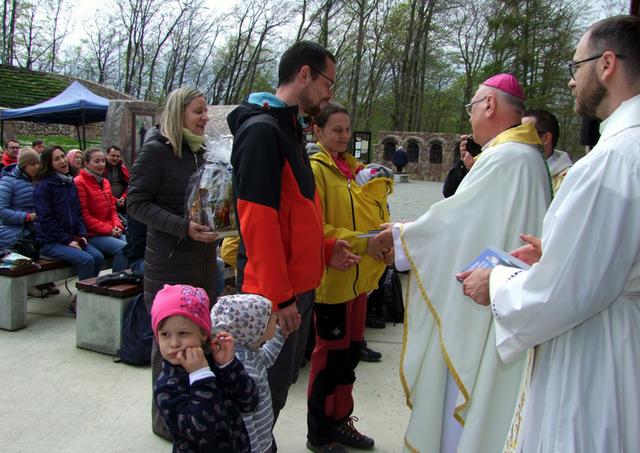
x,y
350,210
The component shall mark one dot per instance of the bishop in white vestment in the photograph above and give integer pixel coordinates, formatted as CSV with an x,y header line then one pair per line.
x,y
462,397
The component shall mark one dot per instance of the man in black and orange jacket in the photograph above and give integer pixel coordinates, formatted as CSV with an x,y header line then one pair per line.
x,y
283,253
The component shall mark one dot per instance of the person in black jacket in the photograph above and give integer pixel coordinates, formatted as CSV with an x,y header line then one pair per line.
x,y
178,250
468,150
400,159
136,244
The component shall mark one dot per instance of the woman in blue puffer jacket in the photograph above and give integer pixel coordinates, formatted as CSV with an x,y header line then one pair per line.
x,y
17,210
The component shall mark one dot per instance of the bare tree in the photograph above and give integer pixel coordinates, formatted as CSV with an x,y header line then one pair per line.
x,y
376,63
362,9
170,24
409,70
136,17
58,28
191,48
103,42
244,55
9,18
27,49
469,27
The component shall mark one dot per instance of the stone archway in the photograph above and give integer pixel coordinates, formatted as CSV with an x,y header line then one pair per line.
x,y
435,152
413,150
389,147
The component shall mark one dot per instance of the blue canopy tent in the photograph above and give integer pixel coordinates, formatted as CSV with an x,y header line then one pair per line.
x,y
75,106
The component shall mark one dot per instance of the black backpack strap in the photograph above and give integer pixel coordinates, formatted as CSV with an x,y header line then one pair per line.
x,y
259,118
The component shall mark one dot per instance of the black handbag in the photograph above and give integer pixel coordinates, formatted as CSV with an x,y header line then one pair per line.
x,y
118,278
27,245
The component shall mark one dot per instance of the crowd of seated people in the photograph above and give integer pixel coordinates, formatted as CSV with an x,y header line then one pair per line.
x,y
74,205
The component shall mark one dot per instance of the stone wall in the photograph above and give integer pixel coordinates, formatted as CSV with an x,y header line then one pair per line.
x,y
431,155
126,123
218,119
14,128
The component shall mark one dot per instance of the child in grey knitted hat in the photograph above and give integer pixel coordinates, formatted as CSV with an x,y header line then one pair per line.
x,y
248,318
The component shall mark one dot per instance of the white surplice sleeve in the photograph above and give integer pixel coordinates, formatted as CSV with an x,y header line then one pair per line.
x,y
590,241
400,259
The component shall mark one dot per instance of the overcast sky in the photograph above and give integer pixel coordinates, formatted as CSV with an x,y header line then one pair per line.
x,y
83,12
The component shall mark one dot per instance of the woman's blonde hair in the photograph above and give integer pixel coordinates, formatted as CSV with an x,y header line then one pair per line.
x,y
172,119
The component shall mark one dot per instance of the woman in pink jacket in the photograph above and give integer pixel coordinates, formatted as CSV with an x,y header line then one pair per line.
x,y
104,229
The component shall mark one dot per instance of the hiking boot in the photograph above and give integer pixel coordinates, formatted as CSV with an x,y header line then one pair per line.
x,y
348,435
331,447
375,322
369,355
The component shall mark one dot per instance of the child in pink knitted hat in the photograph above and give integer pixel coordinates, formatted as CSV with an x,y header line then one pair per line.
x,y
203,388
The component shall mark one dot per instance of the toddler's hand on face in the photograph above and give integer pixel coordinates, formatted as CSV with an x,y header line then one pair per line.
x,y
192,359
223,348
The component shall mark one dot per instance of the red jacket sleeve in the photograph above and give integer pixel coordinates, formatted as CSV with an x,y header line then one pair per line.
x,y
115,219
125,176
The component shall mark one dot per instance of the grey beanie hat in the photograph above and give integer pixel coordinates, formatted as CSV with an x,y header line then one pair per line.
x,y
27,156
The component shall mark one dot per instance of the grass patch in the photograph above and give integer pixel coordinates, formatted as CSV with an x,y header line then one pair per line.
x,y
64,141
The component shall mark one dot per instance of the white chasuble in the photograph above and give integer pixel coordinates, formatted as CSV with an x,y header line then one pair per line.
x,y
506,193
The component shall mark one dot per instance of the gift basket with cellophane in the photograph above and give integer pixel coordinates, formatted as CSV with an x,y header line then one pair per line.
x,y
210,192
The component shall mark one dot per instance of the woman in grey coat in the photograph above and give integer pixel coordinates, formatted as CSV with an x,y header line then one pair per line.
x,y
178,251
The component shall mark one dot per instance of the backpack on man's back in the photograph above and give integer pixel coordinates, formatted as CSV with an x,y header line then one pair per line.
x,y
137,334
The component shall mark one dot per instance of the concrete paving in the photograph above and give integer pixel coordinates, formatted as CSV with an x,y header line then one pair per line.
x,y
58,398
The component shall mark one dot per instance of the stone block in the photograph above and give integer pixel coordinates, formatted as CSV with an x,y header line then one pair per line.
x,y
99,322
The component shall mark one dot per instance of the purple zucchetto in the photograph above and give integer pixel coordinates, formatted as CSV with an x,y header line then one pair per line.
x,y
506,83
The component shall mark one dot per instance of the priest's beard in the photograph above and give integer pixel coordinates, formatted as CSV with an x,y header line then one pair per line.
x,y
588,100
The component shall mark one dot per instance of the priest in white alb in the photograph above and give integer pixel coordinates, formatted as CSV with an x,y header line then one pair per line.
x,y
461,395
548,129
579,305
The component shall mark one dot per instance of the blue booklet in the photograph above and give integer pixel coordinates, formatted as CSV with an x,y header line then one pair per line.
x,y
370,234
492,257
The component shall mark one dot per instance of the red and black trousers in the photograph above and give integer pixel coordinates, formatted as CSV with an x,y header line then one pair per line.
x,y
339,337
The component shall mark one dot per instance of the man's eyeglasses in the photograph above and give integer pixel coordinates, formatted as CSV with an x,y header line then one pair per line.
x,y
331,81
573,65
469,106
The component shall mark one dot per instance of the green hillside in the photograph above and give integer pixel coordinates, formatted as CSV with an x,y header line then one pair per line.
x,y
21,87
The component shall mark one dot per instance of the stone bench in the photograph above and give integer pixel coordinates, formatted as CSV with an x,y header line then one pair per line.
x,y
15,284
401,177
99,312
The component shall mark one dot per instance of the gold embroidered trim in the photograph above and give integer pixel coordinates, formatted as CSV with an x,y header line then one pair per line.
x,y
436,317
410,447
511,443
403,380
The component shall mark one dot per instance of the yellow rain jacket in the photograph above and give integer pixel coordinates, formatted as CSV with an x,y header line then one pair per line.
x,y
349,210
